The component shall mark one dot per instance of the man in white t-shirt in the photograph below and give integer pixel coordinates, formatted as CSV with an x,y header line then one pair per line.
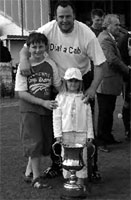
x,y
71,44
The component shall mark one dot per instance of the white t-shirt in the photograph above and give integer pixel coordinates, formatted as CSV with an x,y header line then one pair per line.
x,y
74,49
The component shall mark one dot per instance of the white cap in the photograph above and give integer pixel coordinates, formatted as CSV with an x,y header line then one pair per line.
x,y
73,73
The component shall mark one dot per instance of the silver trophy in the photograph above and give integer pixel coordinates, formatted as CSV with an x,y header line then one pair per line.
x,y
73,161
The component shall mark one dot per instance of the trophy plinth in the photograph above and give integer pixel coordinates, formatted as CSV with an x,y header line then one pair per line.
x,y
73,161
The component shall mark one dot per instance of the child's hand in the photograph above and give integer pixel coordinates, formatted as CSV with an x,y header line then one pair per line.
x,y
89,140
59,139
50,104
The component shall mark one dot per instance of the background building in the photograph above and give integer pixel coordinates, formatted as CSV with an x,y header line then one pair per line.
x,y
23,16
28,14
31,14
17,19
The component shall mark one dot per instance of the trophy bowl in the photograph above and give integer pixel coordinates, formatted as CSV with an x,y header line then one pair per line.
x,y
73,162
73,159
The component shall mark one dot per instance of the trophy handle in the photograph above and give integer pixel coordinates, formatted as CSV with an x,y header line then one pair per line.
x,y
56,147
90,151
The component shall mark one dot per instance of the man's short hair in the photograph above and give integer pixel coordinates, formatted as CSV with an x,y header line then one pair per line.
x,y
98,12
64,3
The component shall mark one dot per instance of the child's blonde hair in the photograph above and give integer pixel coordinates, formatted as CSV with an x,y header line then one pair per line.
x,y
65,89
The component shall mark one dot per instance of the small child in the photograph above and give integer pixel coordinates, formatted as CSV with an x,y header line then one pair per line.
x,y
36,106
72,119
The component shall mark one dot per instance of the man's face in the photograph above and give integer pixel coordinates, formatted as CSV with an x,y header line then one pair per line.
x,y
114,27
97,22
65,19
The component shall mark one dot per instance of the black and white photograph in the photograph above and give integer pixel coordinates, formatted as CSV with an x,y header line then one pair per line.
x,y
65,96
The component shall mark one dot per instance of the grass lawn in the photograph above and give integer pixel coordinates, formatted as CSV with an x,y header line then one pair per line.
x,y
114,166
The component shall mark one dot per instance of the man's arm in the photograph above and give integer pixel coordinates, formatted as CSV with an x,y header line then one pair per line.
x,y
98,76
96,54
24,61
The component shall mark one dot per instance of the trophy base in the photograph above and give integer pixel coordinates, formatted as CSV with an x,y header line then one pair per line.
x,y
71,192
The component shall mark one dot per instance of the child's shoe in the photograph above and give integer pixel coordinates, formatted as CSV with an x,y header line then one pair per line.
x,y
39,183
28,179
96,176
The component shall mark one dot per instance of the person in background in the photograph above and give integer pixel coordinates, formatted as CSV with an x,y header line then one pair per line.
x,y
97,17
36,107
72,119
112,83
7,85
5,55
124,44
71,44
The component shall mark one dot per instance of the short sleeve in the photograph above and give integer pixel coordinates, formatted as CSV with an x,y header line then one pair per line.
x,y
95,52
21,81
56,76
